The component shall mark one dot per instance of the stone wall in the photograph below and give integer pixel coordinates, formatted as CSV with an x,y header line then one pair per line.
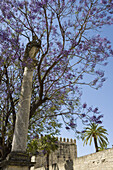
x,y
65,158
102,160
62,159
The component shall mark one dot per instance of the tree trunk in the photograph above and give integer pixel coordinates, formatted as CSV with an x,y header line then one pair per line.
x,y
47,161
96,145
22,117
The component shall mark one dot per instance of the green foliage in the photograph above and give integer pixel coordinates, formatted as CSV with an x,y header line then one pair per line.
x,y
98,133
44,145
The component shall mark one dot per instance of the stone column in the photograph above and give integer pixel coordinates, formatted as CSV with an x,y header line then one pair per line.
x,y
18,159
22,118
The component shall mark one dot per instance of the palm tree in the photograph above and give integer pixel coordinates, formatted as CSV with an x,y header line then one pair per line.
x,y
98,134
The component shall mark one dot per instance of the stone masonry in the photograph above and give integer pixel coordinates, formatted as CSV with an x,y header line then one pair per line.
x,y
65,158
102,160
62,159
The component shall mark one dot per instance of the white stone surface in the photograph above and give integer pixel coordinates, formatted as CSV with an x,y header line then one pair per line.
x,y
16,168
102,160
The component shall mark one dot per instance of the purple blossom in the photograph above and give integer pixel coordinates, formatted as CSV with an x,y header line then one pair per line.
x,y
44,151
84,105
32,17
94,9
79,9
72,125
63,44
80,46
67,127
37,153
100,73
105,63
70,103
9,15
85,121
101,16
103,79
93,22
99,122
89,109
81,1
99,117
104,1
109,17
100,85
111,51
20,4
93,118
81,76
83,115
91,12
95,110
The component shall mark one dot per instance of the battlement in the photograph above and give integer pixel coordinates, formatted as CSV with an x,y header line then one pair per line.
x,y
61,140
67,140
66,152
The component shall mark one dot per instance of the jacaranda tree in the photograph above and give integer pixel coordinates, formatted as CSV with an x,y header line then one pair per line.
x,y
47,50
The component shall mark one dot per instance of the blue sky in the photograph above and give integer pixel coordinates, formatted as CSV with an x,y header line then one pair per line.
x,y
102,98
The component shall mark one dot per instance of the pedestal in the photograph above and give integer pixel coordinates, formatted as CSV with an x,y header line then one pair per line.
x,y
16,161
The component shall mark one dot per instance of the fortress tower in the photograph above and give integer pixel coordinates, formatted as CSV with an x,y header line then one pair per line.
x,y
62,159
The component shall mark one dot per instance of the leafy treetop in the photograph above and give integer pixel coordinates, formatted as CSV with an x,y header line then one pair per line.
x,y
70,56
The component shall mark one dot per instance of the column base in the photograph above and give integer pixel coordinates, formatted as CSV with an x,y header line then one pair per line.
x,y
16,161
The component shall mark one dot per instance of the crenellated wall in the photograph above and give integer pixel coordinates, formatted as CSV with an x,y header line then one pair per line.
x,y
65,158
62,159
